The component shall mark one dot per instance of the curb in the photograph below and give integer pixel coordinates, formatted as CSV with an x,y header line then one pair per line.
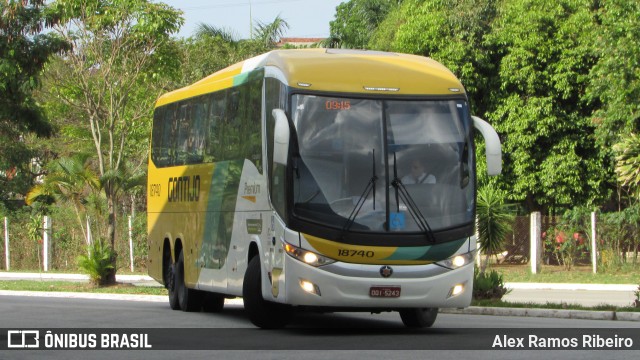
x,y
74,277
546,313
566,286
100,296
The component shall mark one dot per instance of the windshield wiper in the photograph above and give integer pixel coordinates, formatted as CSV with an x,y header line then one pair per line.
x,y
365,194
414,211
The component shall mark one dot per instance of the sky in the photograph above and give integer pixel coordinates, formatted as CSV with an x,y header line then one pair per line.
x,y
306,18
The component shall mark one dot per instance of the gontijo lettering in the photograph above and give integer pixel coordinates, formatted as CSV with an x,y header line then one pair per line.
x,y
184,188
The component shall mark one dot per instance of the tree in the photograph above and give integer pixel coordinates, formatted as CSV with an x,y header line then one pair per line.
x,y
615,79
546,52
113,69
24,51
356,20
539,72
213,48
209,50
452,33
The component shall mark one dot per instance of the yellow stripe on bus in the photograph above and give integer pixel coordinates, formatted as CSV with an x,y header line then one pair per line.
x,y
364,254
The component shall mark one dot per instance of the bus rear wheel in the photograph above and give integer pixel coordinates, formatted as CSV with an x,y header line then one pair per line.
x,y
262,313
170,281
189,299
418,317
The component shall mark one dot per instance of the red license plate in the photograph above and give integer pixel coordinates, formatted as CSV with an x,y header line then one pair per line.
x,y
384,291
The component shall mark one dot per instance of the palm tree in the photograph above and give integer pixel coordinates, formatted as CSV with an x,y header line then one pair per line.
x,y
628,162
213,48
269,34
70,180
266,35
205,30
494,219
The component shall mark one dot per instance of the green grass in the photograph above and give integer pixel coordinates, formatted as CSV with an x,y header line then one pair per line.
x,y
69,286
76,271
558,306
579,275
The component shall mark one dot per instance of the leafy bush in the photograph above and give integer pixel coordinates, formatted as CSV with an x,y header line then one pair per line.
x,y
97,264
566,245
488,285
619,236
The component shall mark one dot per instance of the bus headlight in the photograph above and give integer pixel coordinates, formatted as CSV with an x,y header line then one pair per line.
x,y
457,261
457,289
307,257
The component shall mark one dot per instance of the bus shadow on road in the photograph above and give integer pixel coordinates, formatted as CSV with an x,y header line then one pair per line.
x,y
333,323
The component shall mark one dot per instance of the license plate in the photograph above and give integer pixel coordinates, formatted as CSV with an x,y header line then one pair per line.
x,y
384,291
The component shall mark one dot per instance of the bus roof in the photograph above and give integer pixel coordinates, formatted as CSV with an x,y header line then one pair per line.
x,y
336,70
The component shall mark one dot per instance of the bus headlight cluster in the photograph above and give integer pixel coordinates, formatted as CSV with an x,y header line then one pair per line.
x,y
307,257
457,261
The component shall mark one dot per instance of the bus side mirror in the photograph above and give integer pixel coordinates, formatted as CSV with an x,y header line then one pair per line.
x,y
493,148
281,137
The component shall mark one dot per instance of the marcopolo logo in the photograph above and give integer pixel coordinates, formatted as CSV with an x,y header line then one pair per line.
x,y
23,339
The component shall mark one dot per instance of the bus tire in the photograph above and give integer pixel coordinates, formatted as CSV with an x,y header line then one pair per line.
x,y
189,299
170,282
418,317
263,314
212,303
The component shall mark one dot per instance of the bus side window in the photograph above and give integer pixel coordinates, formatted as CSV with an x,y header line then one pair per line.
x,y
168,135
254,122
158,152
182,137
213,147
230,138
196,133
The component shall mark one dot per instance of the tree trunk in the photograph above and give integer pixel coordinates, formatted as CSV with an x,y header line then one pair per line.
x,y
111,234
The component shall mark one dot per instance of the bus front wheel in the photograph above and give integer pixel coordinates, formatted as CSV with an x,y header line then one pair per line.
x,y
419,317
262,313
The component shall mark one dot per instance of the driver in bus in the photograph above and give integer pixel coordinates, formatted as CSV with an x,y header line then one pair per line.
x,y
418,174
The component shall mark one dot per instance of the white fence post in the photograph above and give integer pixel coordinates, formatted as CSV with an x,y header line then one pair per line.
x,y
7,262
536,242
89,240
46,243
130,243
594,248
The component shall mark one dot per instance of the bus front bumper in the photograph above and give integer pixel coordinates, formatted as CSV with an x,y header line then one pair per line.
x,y
310,286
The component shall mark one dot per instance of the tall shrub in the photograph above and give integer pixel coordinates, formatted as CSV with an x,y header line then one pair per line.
x,y
494,221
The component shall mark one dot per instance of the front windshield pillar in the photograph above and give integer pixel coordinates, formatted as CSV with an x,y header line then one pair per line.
x,y
386,172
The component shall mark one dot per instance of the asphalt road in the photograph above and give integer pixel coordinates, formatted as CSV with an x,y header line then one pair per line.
x,y
359,335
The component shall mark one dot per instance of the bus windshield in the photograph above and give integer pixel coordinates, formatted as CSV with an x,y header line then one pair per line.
x,y
382,165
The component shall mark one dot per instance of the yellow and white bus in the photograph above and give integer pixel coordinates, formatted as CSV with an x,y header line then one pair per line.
x,y
322,180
